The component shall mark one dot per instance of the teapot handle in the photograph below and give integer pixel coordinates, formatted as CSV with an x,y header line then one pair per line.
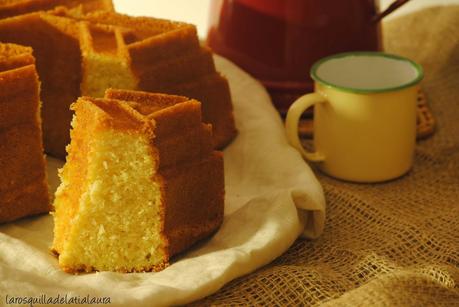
x,y
395,5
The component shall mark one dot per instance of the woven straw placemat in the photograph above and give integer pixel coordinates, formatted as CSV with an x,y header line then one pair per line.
x,y
390,244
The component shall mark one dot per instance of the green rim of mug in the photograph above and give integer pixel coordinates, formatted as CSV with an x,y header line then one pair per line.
x,y
317,64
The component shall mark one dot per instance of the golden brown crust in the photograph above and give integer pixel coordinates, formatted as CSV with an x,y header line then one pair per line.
x,y
15,56
193,195
115,115
163,56
19,7
213,91
23,187
82,268
58,65
183,68
157,100
28,200
144,27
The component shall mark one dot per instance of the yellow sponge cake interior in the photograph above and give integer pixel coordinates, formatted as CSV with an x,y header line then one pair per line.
x,y
119,206
105,60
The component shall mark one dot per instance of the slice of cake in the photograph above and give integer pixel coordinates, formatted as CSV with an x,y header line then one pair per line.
x,y
23,186
84,54
141,183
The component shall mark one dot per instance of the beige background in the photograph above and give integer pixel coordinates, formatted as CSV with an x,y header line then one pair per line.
x,y
196,11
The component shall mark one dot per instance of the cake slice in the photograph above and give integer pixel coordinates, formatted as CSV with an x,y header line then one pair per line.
x,y
23,186
141,183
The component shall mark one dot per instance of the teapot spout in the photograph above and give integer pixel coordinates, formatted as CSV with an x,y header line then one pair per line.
x,y
395,5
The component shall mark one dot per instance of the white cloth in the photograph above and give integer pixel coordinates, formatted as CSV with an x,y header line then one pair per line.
x,y
272,197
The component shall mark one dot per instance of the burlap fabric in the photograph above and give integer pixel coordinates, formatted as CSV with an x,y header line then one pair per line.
x,y
390,244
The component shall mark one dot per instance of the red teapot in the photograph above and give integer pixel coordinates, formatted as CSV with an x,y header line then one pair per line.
x,y
277,41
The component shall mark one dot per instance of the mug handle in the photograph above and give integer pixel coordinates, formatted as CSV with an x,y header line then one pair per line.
x,y
291,124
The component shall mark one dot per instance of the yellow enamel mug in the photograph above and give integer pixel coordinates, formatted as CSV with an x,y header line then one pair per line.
x,y
364,116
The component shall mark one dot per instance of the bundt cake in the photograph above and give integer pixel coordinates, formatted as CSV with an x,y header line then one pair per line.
x,y
23,186
84,54
141,183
